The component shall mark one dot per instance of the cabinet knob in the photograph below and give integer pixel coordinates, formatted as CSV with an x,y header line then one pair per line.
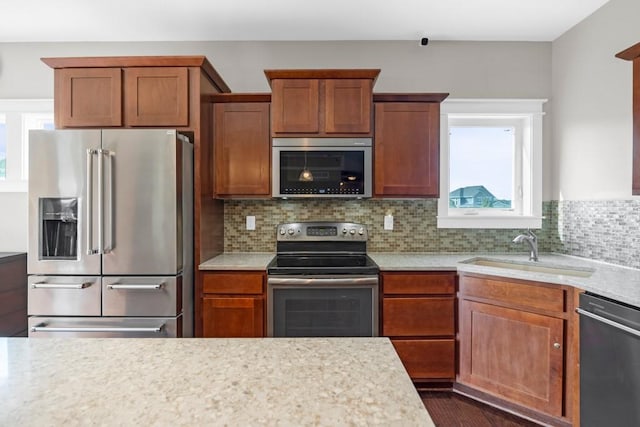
x,y
556,345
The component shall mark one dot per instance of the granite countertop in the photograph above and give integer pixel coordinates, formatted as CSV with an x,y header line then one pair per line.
x,y
10,256
192,382
238,261
609,280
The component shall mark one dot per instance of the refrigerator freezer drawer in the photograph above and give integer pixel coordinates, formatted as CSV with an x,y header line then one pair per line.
x,y
142,296
105,327
64,296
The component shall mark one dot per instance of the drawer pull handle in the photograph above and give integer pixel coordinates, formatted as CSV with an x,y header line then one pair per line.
x,y
132,286
44,285
44,328
556,345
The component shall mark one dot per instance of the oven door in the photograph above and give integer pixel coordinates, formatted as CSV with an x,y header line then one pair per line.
x,y
322,306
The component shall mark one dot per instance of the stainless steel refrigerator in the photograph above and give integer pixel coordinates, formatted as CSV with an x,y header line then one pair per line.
x,y
110,233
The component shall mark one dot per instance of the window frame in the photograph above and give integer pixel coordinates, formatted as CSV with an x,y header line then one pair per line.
x,y
526,115
18,113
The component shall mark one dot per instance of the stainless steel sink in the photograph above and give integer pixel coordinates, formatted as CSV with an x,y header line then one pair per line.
x,y
535,267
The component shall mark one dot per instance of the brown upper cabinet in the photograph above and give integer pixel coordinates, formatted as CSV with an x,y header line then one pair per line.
x,y
407,145
321,103
633,54
124,91
241,145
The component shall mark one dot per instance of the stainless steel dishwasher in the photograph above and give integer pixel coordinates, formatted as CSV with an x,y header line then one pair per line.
x,y
609,362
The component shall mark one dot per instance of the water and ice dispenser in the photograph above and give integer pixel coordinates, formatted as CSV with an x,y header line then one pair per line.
x,y
59,228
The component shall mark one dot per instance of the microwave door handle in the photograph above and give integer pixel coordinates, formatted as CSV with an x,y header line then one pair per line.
x,y
89,202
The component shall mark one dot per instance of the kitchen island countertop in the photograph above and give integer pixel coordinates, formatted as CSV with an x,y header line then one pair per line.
x,y
272,381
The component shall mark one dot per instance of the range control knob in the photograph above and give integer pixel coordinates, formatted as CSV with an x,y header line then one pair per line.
x,y
352,231
290,231
344,231
361,231
282,231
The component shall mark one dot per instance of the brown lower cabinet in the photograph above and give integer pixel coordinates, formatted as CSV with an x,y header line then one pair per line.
x,y
418,314
233,304
13,294
516,343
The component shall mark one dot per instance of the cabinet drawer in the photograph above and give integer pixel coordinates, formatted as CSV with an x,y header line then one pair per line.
x,y
404,317
427,359
141,296
64,296
233,283
419,283
532,296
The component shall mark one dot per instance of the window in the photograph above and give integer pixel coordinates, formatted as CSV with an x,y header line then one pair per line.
x,y
491,164
17,117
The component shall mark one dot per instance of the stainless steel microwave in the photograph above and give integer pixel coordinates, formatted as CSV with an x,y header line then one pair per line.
x,y
321,167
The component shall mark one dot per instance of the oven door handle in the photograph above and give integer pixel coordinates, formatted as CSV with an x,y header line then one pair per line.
x,y
324,281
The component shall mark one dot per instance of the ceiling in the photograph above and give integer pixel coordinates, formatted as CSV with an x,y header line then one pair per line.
x,y
199,20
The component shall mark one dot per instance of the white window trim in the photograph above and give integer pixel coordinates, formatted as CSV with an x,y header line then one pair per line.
x,y
15,111
530,112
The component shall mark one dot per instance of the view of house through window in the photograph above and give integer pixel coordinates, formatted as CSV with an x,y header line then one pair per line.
x,y
481,167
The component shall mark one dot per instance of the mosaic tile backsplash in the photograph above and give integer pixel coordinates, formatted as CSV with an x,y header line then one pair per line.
x,y
602,230
414,226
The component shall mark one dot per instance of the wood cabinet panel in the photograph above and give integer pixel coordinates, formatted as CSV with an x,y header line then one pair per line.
x,y
348,106
407,156
520,293
156,96
242,149
418,316
233,283
295,106
13,295
427,359
88,97
419,283
513,354
633,54
226,317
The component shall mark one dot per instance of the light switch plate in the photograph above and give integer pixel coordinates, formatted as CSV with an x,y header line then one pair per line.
x,y
388,222
251,222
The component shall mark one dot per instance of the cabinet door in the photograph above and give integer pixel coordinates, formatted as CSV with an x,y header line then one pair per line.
x,y
407,136
295,106
427,359
242,149
229,317
348,106
88,97
513,354
156,96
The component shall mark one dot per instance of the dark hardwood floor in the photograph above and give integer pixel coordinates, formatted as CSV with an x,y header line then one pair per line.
x,y
451,409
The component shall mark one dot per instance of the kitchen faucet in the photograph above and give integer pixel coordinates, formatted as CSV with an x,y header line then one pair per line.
x,y
532,241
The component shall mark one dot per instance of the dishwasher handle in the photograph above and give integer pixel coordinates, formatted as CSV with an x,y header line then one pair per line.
x,y
609,322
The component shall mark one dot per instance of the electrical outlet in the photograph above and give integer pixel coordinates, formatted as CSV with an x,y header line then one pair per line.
x,y
388,222
251,222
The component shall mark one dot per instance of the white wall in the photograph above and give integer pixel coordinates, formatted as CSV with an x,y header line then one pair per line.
x,y
464,69
592,139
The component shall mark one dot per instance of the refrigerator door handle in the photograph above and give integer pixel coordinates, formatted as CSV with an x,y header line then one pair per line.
x,y
100,201
89,210
111,243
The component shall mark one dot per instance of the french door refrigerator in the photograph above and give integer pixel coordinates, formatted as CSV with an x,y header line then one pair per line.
x,y
110,233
